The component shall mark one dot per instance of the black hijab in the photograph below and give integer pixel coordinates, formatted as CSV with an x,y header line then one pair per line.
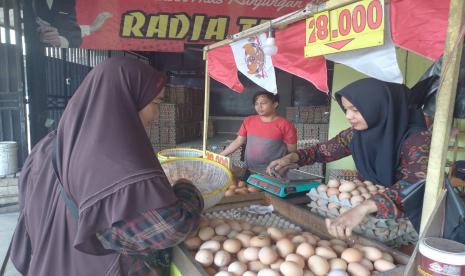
x,y
385,108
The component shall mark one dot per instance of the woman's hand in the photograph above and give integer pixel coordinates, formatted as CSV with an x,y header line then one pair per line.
x,y
341,227
277,165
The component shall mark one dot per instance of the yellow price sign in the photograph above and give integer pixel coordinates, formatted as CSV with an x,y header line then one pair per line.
x,y
223,160
355,26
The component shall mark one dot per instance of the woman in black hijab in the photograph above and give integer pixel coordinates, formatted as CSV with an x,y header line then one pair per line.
x,y
388,141
94,200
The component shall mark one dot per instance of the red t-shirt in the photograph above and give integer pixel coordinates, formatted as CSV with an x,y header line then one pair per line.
x,y
266,141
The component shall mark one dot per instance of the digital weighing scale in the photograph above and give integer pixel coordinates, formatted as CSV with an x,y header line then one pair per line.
x,y
295,181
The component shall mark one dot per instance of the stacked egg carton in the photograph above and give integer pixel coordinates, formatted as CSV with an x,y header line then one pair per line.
x,y
265,220
332,200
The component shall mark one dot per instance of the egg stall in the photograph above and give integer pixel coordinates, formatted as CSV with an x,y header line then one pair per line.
x,y
234,239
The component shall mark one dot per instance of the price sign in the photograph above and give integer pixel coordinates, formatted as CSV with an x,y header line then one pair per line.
x,y
355,26
223,160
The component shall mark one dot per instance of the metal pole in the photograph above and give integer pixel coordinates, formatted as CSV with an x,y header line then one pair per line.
x,y
283,21
206,106
444,109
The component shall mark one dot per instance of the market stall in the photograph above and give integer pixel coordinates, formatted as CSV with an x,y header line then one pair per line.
x,y
326,200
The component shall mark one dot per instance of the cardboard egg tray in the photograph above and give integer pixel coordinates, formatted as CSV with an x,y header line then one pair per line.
x,y
394,232
244,214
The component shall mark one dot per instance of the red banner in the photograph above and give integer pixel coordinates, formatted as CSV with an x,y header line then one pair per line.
x,y
151,25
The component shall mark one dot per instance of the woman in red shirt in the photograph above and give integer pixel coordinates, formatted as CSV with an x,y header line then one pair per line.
x,y
268,135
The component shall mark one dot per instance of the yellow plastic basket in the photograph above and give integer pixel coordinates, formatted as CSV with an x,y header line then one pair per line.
x,y
211,178
167,154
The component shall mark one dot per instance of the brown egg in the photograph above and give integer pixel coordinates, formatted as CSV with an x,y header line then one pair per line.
x,y
235,225
322,188
325,252
318,265
346,186
338,264
296,259
367,263
308,273
368,182
351,255
372,253
237,268
206,233
305,250
256,266
291,269
358,269
338,248
260,241
276,264
267,255
240,256
223,229
232,245
275,233
193,243
311,239
299,239
382,265
258,229
222,258
251,253
244,239
332,191
355,193
372,188
333,183
204,257
285,247
211,245
229,193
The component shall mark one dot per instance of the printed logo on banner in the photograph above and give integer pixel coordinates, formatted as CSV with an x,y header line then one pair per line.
x,y
255,58
253,63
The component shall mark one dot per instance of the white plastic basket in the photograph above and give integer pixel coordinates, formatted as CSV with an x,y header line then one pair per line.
x,y
8,157
211,178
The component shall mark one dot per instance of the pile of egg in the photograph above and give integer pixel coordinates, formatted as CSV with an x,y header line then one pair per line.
x,y
355,192
232,247
239,188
